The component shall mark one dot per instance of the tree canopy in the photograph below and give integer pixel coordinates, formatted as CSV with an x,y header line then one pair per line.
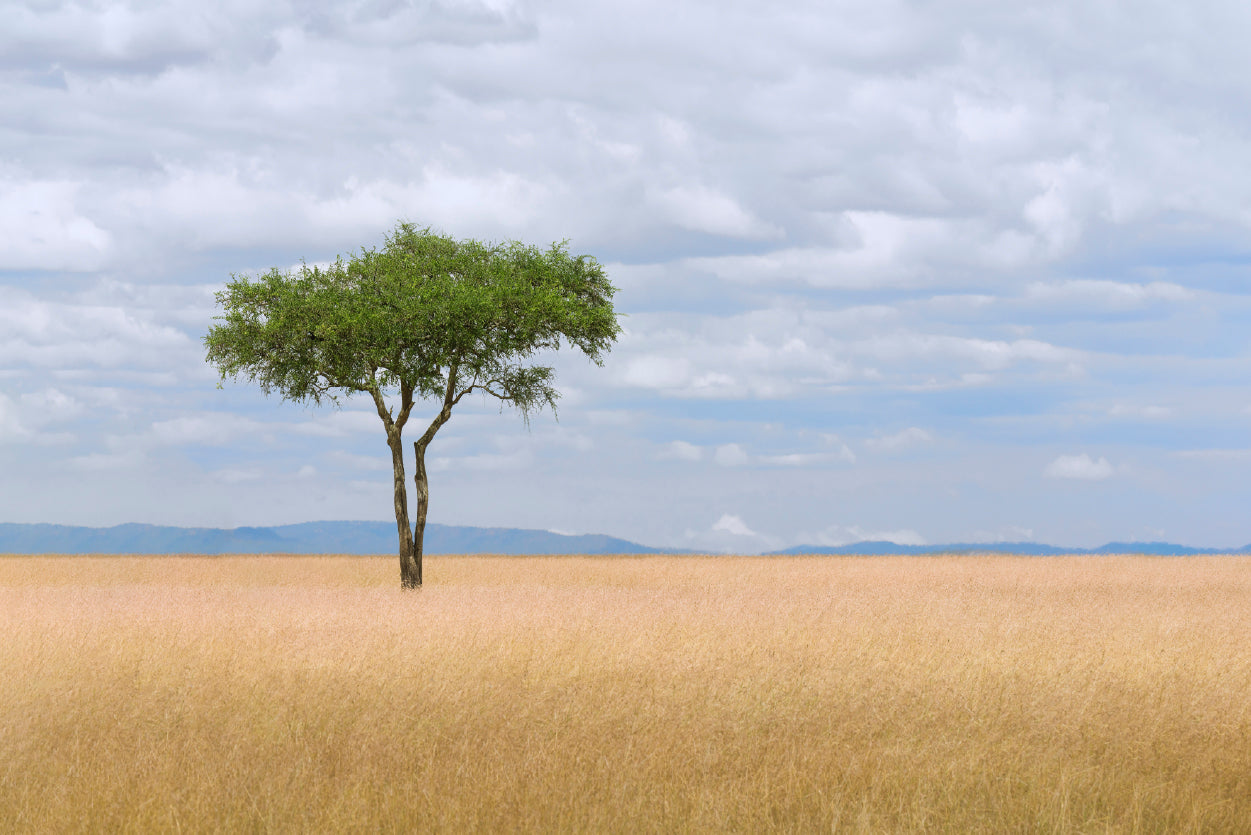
x,y
424,317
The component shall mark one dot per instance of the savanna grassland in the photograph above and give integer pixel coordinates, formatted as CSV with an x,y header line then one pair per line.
x,y
622,694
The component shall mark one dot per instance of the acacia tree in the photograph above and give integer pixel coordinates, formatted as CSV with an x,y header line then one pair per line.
x,y
424,317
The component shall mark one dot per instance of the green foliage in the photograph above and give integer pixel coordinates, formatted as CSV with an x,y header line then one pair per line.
x,y
426,314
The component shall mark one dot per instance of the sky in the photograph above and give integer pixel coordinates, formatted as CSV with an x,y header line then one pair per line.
x,y
957,272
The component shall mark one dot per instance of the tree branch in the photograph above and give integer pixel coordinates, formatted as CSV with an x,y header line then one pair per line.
x,y
375,391
484,387
406,403
445,414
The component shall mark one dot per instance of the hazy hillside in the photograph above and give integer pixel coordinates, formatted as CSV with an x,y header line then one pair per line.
x,y
380,538
306,538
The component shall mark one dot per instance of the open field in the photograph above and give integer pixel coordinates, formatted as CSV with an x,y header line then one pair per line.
x,y
615,694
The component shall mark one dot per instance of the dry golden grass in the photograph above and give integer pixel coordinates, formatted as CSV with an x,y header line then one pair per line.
x,y
952,694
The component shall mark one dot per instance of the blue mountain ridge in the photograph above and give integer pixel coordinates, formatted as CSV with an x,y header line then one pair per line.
x,y
380,538
304,538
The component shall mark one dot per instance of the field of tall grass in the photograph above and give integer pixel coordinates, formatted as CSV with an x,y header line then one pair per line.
x,y
626,694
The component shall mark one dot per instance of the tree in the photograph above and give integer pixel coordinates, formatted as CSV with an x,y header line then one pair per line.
x,y
425,317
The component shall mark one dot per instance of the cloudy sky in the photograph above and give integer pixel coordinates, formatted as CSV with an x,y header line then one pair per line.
x,y
926,272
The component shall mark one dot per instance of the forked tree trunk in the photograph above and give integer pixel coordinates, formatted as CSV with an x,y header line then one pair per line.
x,y
410,567
412,543
423,505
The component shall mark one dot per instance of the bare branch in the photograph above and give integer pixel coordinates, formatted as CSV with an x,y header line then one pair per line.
x,y
406,403
383,412
444,415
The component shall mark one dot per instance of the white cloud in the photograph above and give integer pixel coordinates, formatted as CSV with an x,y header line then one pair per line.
x,y
784,352
214,429
736,455
64,335
1218,455
731,455
483,462
836,535
990,354
11,428
28,417
1147,412
210,208
238,475
1106,295
45,230
842,452
458,198
51,405
107,461
121,38
653,371
708,210
911,436
338,423
730,534
880,249
869,265
808,459
380,462
734,525
682,451
1081,467
715,382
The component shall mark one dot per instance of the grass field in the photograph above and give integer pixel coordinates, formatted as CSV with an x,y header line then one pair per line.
x,y
615,694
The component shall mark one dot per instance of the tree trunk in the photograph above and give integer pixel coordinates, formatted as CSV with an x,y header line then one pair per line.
x,y
423,505
410,568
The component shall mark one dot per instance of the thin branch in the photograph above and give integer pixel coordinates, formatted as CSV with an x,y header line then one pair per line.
x,y
376,392
406,403
445,414
486,386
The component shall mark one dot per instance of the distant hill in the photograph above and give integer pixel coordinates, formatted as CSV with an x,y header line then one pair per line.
x,y
1023,548
380,538
306,538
